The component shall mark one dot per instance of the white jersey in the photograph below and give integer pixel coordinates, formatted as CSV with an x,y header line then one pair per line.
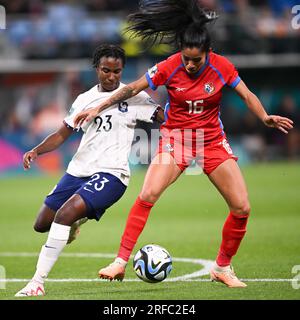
x,y
107,139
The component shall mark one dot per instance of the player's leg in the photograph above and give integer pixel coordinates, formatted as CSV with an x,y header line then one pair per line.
x,y
91,200
44,219
71,211
228,179
65,188
162,172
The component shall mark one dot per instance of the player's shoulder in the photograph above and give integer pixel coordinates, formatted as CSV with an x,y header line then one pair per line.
x,y
171,63
94,93
219,61
175,59
87,95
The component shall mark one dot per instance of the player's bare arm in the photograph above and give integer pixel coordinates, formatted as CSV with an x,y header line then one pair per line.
x,y
50,143
160,116
253,103
124,93
127,92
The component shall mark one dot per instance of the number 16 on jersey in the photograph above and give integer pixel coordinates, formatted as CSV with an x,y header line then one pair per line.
x,y
195,107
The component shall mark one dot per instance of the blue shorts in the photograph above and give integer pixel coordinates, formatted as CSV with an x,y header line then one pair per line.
x,y
99,192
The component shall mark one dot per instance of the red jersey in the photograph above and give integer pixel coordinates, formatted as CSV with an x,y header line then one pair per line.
x,y
194,100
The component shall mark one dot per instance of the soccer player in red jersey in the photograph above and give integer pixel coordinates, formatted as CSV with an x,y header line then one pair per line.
x,y
194,78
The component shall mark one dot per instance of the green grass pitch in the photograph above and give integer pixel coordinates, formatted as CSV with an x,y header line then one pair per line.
x,y
187,220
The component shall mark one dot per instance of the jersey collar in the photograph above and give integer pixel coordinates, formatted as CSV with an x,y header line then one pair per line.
x,y
196,75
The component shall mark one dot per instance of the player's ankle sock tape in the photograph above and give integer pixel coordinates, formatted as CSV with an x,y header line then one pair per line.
x,y
59,231
57,240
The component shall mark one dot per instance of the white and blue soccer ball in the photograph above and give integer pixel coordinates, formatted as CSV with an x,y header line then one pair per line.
x,y
152,263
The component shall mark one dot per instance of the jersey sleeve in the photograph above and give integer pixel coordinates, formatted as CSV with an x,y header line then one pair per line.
x,y
145,107
157,75
76,107
231,74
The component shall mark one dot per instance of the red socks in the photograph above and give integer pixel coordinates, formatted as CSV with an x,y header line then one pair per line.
x,y
234,230
136,221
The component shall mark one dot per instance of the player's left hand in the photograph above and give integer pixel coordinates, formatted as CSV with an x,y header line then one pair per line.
x,y
85,115
281,123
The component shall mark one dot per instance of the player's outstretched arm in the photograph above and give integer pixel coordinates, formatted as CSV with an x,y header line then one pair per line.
x,y
160,116
253,103
129,91
50,143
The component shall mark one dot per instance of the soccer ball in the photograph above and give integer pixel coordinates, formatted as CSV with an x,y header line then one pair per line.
x,y
152,263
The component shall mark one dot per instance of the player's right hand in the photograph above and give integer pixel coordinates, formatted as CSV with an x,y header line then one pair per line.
x,y
85,115
281,123
29,157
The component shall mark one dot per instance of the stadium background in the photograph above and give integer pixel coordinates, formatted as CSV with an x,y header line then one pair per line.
x,y
45,62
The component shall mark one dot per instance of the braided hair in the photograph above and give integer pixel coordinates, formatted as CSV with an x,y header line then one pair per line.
x,y
180,22
109,51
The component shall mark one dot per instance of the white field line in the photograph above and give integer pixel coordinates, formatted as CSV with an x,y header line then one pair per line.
x,y
138,280
206,265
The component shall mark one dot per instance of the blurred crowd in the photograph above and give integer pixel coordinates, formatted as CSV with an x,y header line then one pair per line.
x,y
62,28
259,142
42,6
34,104
33,111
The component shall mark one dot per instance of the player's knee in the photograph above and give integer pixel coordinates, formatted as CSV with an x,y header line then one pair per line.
x,y
61,217
41,228
149,195
242,209
67,214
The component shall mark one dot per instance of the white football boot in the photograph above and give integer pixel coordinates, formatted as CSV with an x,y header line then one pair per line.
x,y
33,288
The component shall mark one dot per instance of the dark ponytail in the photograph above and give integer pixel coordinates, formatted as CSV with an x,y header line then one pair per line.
x,y
181,22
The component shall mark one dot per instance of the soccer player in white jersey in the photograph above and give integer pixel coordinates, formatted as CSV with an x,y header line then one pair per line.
x,y
98,173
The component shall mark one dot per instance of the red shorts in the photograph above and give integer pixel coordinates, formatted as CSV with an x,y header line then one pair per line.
x,y
187,146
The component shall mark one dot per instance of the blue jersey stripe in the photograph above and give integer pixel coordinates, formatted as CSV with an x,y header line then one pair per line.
x,y
221,123
173,73
218,72
167,108
235,82
150,82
